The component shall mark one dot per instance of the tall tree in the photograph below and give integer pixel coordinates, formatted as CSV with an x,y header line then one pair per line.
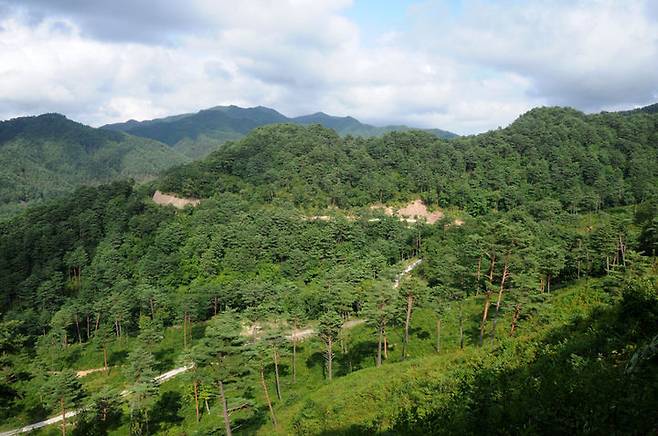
x,y
65,393
328,329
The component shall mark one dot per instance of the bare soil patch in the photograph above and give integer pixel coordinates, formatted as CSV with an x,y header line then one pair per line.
x,y
171,200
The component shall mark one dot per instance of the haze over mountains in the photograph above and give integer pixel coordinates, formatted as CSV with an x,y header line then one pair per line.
x,y
197,134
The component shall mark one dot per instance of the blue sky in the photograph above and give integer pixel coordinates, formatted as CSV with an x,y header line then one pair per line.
x,y
460,65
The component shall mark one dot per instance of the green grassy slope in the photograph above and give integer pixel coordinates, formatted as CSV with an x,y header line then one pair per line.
x,y
565,368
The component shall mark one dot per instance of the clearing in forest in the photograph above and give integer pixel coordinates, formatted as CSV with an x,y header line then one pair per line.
x,y
178,202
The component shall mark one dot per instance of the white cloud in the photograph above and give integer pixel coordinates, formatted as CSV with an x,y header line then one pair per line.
x,y
466,72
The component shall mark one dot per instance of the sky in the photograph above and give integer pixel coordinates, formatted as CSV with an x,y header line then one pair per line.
x,y
461,65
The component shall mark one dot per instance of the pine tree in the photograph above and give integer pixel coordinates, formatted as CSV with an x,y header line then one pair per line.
x,y
64,393
328,329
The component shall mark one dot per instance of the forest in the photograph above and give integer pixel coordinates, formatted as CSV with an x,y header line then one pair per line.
x,y
287,304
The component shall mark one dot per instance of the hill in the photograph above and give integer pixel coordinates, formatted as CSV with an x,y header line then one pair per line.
x,y
582,161
195,135
48,155
650,109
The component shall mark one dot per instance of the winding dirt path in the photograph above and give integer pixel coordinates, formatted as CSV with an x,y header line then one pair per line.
x,y
55,419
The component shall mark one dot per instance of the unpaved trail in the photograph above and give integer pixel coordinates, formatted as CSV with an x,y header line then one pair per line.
x,y
305,333
85,372
406,271
54,420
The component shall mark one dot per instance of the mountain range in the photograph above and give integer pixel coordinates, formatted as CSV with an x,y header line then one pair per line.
x,y
197,134
47,155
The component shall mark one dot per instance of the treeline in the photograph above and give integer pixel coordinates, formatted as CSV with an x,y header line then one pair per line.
x,y
586,162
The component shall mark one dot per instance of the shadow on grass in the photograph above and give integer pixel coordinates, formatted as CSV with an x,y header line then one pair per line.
x,y
166,410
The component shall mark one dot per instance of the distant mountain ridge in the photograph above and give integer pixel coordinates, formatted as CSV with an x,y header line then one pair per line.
x,y
197,134
46,155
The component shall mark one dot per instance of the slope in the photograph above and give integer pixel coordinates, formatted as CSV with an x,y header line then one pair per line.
x,y
49,155
583,360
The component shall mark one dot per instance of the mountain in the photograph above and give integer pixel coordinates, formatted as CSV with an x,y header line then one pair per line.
x,y
195,135
47,155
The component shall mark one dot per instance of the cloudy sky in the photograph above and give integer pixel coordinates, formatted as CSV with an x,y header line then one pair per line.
x,y
461,65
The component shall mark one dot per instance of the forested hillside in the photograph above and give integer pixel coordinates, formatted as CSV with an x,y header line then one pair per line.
x,y
281,303
48,155
584,162
198,134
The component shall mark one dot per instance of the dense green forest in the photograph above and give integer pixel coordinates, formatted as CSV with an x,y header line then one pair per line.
x,y
537,315
197,134
48,155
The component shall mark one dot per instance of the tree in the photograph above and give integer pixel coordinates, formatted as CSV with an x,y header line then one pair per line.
x,y
256,354
64,392
224,344
411,291
328,329
296,318
380,310
277,341
144,389
103,338
150,332
75,260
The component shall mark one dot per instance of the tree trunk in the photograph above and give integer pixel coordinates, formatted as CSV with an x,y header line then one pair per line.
x,y
61,403
385,345
461,329
548,283
485,313
500,298
379,346
438,335
492,266
77,328
105,358
267,395
185,330
196,399
515,318
294,360
410,303
477,276
214,305
88,327
276,374
98,321
205,401
227,422
330,358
